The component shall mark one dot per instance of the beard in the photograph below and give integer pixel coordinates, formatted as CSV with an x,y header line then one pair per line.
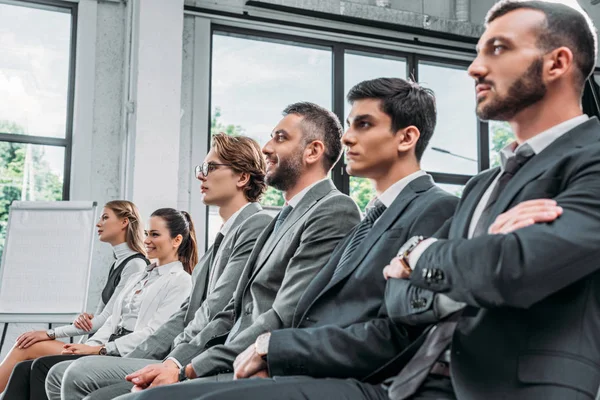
x,y
287,172
524,92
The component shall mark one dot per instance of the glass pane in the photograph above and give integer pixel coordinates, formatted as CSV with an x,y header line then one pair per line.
x,y
456,190
501,135
359,67
28,172
254,79
453,147
34,69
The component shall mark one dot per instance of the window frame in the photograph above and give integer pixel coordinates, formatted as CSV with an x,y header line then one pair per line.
x,y
339,47
71,8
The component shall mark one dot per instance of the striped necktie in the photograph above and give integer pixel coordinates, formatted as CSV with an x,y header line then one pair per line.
x,y
362,230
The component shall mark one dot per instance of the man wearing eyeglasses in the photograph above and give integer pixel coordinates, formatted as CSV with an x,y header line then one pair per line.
x,y
232,178
289,253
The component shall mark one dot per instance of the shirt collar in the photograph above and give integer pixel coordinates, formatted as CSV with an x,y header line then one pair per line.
x,y
122,250
390,194
294,201
165,269
229,223
544,139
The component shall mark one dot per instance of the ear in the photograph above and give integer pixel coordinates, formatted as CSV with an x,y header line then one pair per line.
x,y
243,180
558,62
408,138
177,241
314,151
124,223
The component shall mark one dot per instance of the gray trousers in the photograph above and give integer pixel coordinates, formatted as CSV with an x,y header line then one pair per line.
x,y
74,380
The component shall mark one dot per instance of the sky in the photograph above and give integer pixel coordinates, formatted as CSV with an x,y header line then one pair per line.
x,y
34,70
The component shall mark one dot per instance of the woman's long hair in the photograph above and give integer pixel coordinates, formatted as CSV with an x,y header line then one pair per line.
x,y
180,223
135,234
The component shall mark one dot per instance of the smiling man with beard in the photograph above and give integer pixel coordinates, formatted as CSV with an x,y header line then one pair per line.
x,y
288,254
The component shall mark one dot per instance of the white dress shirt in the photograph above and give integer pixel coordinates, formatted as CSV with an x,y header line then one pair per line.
x,y
390,194
121,252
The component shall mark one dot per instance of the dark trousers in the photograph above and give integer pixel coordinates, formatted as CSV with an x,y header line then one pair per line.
x,y
292,388
28,378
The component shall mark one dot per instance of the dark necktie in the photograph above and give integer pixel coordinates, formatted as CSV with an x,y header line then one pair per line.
x,y
213,256
438,339
282,216
359,235
511,167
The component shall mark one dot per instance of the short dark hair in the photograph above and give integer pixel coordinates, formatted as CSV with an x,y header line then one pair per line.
x,y
244,155
565,26
407,103
318,123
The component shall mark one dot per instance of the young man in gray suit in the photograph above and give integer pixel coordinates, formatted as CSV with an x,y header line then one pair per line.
x,y
289,253
338,328
232,178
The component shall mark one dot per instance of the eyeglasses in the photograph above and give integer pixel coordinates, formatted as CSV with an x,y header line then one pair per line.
x,y
207,167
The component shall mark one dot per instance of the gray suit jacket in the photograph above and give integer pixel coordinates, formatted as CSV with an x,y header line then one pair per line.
x,y
278,271
203,304
530,328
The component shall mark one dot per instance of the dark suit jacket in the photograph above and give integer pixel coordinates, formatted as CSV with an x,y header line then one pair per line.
x,y
531,329
337,328
278,269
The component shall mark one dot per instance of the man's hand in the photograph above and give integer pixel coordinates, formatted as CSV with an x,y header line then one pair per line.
x,y
76,348
155,375
524,214
395,269
250,363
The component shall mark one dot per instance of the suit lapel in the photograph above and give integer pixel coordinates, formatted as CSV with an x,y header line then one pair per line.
x,y
220,262
315,194
406,196
200,274
580,136
462,221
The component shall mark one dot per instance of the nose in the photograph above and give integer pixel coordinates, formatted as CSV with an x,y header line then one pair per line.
x,y
147,240
348,138
267,149
201,177
477,69
98,225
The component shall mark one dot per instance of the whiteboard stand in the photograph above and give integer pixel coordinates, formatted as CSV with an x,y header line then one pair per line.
x,y
46,264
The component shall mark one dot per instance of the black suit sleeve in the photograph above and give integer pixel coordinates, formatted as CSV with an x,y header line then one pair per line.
x,y
352,351
523,267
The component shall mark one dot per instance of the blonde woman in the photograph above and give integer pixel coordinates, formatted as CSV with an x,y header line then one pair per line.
x,y
120,226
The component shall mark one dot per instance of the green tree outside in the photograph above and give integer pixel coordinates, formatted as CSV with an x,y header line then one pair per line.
x,y
44,185
501,136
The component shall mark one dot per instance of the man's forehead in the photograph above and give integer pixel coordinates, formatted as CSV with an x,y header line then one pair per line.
x,y
365,106
518,25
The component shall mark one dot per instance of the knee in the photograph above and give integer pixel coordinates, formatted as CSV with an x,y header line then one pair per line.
x,y
53,381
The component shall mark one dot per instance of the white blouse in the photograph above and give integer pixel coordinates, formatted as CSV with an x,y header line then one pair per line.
x,y
137,265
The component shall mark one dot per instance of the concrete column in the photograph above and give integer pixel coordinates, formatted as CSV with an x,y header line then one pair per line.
x,y
155,104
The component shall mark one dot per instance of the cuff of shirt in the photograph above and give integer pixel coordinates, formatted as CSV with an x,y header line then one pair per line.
x,y
111,349
175,361
413,257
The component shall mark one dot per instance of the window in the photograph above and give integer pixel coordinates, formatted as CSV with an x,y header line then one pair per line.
x,y
253,80
255,74
359,67
35,102
453,147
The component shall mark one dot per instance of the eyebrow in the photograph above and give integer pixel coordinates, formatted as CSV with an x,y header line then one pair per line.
x,y
491,41
278,131
359,118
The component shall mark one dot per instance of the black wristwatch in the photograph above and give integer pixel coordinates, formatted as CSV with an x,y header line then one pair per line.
x,y
182,375
103,351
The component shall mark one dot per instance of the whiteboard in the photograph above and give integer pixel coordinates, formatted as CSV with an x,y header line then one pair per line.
x,y
45,269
